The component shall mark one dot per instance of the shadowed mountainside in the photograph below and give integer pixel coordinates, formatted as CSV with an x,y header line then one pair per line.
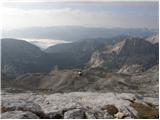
x,y
19,57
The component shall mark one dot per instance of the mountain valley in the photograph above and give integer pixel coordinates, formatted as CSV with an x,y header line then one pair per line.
x,y
122,70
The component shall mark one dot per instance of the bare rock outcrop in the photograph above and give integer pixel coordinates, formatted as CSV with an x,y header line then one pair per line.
x,y
19,115
80,105
22,105
74,114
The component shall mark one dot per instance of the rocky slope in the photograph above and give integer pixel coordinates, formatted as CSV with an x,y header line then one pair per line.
x,y
5,81
153,39
145,83
76,54
78,105
126,52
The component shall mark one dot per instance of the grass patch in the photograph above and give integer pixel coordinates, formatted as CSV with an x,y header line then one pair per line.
x,y
148,111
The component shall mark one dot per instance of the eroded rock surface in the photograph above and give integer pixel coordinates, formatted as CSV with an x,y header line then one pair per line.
x,y
19,115
23,105
79,105
74,114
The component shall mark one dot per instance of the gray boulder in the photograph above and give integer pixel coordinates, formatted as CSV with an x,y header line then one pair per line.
x,y
54,115
19,115
12,105
99,114
108,116
90,114
74,114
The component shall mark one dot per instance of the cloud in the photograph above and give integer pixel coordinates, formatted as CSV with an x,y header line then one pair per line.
x,y
14,18
43,43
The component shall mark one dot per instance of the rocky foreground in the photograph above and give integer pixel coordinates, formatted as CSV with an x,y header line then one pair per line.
x,y
78,105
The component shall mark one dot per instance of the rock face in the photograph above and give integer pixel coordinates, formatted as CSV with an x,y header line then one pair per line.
x,y
128,51
96,60
153,39
131,69
79,105
19,115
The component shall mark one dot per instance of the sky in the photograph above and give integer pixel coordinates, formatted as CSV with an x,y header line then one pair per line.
x,y
113,14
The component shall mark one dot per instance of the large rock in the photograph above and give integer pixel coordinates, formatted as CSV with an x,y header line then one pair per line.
x,y
99,114
12,105
19,115
56,104
54,115
74,114
108,116
90,114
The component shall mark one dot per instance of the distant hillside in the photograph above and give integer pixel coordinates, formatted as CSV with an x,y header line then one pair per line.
x,y
85,45
75,33
20,57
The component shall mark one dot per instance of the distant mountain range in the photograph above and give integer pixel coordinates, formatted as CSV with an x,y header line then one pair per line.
x,y
20,57
110,54
75,33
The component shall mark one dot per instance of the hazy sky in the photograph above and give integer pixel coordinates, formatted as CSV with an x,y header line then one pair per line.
x,y
90,14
